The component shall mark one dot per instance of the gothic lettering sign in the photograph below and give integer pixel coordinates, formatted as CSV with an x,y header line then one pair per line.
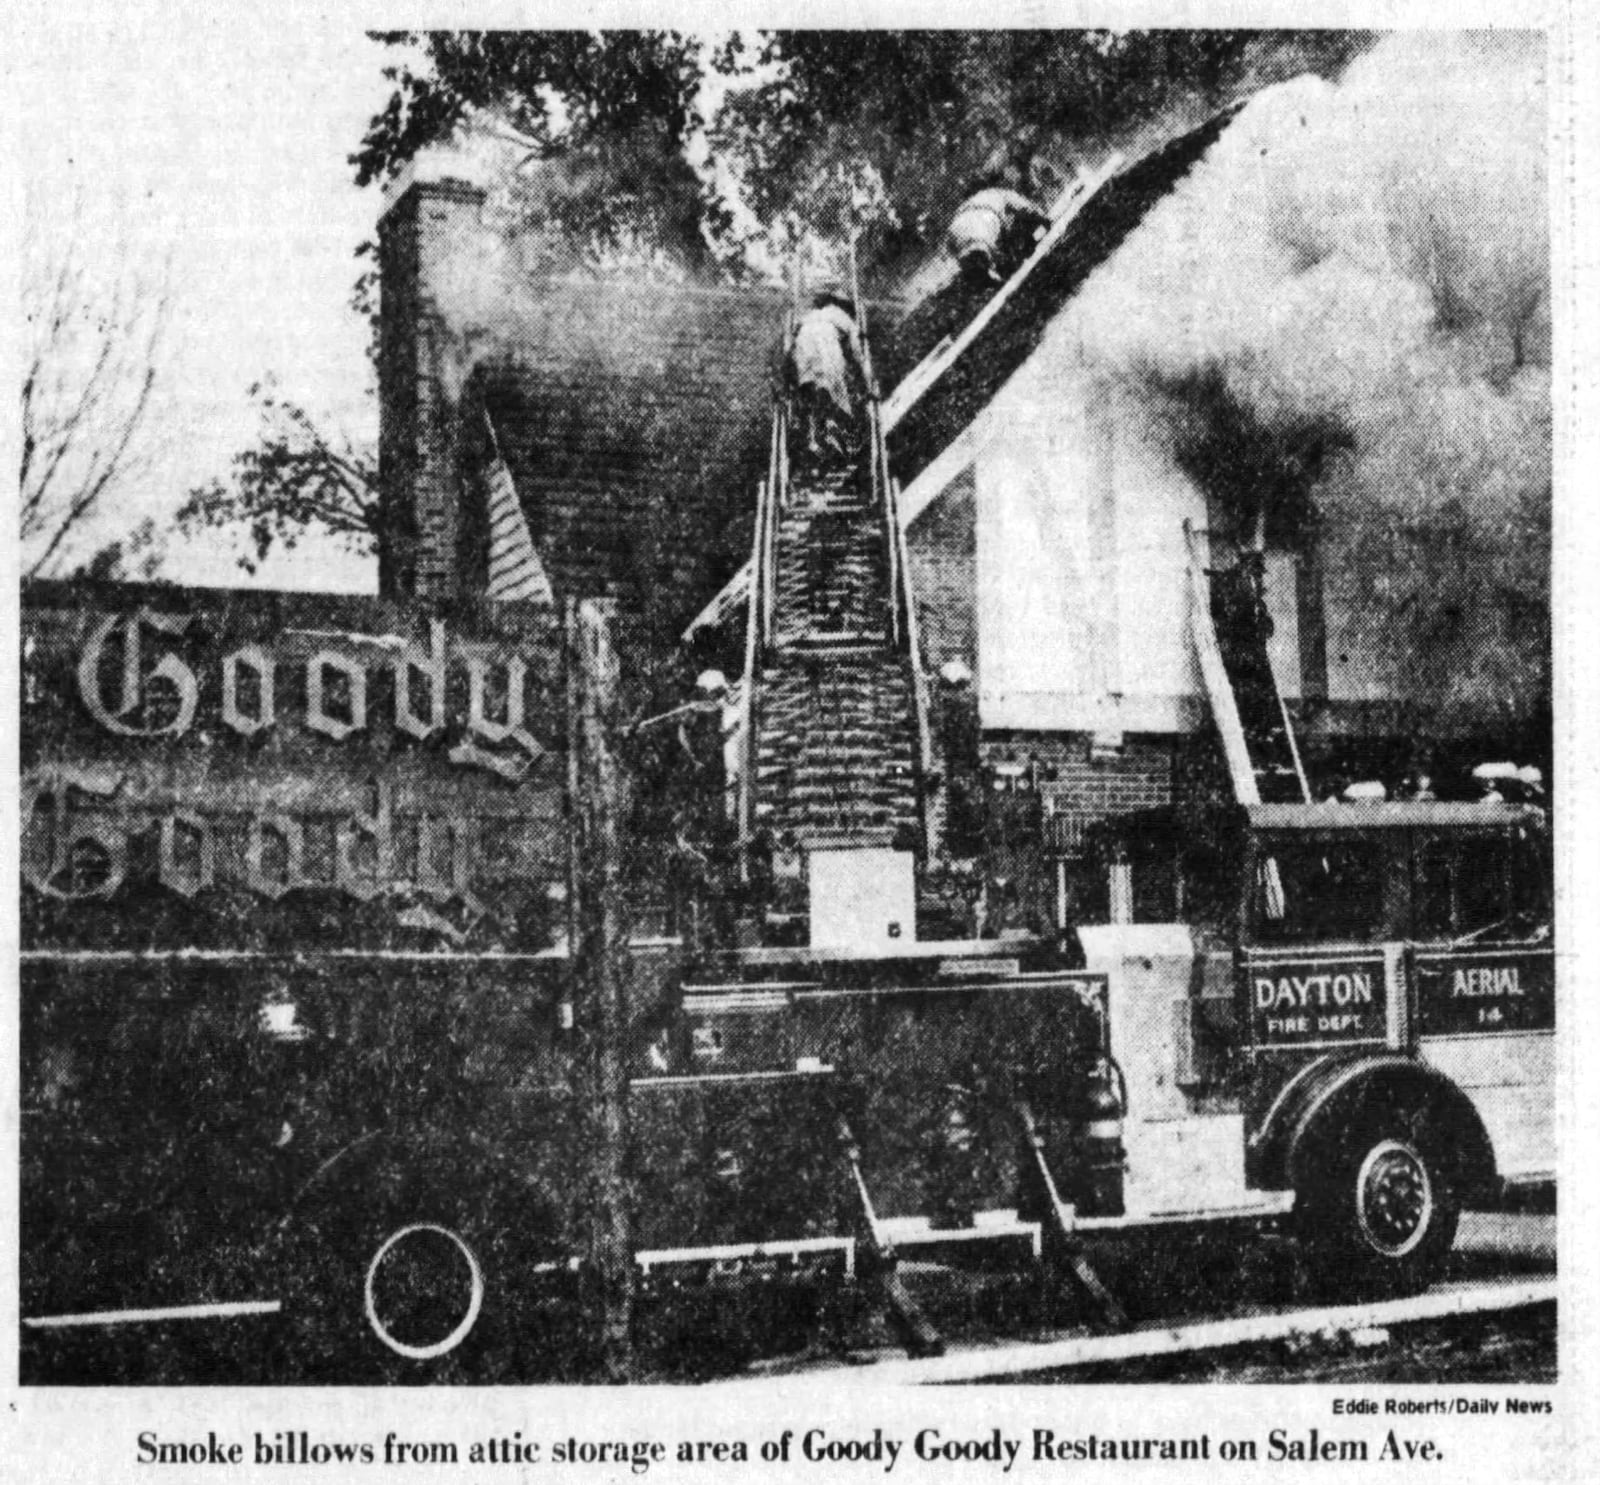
x,y
207,767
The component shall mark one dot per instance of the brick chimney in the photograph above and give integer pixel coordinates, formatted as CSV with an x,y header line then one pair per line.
x,y
632,414
430,211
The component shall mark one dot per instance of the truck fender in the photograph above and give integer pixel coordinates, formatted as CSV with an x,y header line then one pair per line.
x,y
417,1170
1301,1127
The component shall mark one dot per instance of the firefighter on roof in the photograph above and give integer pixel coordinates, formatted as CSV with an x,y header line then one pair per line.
x,y
993,233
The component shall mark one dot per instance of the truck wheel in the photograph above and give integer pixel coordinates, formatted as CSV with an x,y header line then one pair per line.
x,y
383,1297
423,1291
1380,1213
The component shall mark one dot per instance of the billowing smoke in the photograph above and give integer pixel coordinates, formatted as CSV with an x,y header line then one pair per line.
x,y
490,289
481,298
1348,306
628,403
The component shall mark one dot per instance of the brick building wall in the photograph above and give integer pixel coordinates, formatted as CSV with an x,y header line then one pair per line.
x,y
633,417
1076,788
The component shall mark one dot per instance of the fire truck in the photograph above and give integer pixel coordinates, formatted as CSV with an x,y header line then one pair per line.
x,y
400,1106
1332,1019
1335,1019
1353,1005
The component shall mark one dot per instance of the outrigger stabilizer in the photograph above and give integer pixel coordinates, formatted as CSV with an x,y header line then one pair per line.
x,y
1063,1253
879,1264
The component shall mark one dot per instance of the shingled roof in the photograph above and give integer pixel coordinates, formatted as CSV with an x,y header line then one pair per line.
x,y
633,419
1101,225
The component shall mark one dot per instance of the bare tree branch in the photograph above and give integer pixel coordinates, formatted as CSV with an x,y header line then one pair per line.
x,y
97,316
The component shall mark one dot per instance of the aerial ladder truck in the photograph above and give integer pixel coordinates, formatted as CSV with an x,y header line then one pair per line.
x,y
1284,1044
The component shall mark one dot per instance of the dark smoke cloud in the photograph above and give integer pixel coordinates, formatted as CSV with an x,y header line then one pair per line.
x,y
1354,287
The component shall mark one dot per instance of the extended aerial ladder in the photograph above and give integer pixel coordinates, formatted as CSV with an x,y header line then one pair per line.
x,y
835,749
833,746
829,998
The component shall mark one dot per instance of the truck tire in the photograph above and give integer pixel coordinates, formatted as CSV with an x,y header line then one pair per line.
x,y
421,1259
423,1290
1378,1209
377,1297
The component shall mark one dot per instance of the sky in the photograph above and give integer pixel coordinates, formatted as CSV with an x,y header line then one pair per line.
x,y
215,139
217,136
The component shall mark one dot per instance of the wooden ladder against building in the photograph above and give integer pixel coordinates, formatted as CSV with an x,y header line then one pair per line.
x,y
1257,732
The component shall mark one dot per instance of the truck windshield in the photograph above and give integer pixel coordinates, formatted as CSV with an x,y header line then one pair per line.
x,y
1307,890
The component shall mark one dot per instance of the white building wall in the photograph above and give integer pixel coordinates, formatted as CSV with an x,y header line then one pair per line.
x,y
1082,570
1283,603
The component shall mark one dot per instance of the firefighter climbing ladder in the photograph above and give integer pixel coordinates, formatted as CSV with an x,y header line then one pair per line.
x,y
888,413
933,366
835,734
834,710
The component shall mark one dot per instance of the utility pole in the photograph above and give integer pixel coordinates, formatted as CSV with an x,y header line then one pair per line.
x,y
600,969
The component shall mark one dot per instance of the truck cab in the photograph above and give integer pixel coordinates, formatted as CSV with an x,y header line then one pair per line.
x,y
1365,992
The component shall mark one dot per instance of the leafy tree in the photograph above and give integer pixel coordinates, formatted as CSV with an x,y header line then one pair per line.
x,y
609,115
809,123
299,478
816,133
928,111
134,557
